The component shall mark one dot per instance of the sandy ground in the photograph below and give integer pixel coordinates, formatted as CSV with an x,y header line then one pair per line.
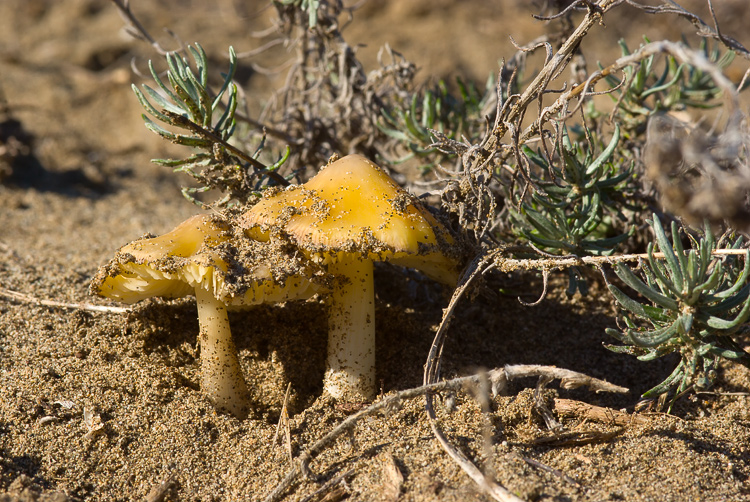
x,y
103,406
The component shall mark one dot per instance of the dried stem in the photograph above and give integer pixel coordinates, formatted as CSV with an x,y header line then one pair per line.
x,y
678,51
703,29
511,264
498,378
24,298
553,67
135,28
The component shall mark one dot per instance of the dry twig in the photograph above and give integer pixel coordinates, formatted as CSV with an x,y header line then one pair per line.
x,y
586,411
134,27
24,298
160,491
498,378
569,379
512,264
702,28
284,422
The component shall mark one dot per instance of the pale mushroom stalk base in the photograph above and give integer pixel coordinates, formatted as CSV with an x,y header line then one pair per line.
x,y
221,374
350,375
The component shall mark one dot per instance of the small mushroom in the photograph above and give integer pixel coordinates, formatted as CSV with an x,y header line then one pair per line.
x,y
199,257
346,217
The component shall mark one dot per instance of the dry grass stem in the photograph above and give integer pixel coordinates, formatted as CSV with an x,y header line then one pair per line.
x,y
589,412
498,378
24,298
512,264
160,491
284,422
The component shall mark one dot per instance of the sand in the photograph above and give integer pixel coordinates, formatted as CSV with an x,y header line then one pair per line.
x,y
106,406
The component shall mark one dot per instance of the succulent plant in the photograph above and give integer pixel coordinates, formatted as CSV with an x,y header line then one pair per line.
x,y
693,302
186,102
655,87
187,96
567,211
575,203
414,123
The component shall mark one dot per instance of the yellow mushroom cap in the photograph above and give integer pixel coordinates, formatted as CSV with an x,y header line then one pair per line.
x,y
352,206
202,253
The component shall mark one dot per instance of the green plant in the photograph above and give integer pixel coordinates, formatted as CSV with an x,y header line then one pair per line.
x,y
187,103
414,123
693,303
573,203
574,198
660,83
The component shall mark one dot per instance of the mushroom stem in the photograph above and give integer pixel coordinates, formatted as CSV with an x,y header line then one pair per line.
x,y
221,374
351,332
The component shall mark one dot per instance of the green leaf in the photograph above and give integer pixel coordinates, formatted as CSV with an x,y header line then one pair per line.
x,y
629,278
201,60
670,382
147,105
741,280
628,303
606,154
163,103
658,270
658,314
710,283
227,118
154,127
611,242
543,225
227,77
664,87
727,304
190,102
731,351
723,324
666,248
171,95
655,337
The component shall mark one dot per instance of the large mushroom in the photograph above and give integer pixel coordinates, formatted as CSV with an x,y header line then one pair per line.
x,y
200,257
346,217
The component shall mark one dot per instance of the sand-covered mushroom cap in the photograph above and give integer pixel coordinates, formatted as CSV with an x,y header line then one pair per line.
x,y
353,206
203,252
202,257
171,265
347,216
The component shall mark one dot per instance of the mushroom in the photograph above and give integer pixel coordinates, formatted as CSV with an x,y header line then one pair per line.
x,y
200,257
346,217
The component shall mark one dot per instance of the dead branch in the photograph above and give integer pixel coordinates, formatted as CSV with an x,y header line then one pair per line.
x,y
498,379
586,411
679,51
702,28
569,379
512,264
134,27
553,67
432,373
24,298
